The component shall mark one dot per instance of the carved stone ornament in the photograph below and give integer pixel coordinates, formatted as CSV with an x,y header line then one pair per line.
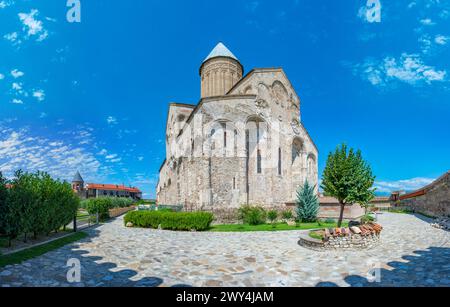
x,y
295,126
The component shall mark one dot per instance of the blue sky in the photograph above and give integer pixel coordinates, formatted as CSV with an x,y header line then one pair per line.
x,y
94,95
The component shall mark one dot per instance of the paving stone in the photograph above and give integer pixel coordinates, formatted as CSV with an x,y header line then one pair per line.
x,y
411,253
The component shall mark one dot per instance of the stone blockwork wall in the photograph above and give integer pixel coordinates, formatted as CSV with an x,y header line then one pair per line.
x,y
341,243
435,200
218,166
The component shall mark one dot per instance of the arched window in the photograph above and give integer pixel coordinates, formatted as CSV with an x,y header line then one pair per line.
x,y
297,148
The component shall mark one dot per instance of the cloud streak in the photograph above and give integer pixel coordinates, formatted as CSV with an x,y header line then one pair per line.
x,y
408,68
407,185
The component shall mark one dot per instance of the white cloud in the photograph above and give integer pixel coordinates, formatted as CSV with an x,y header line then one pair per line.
x,y
21,149
427,22
39,95
141,158
2,76
17,73
402,185
5,3
103,152
17,86
109,157
441,39
17,101
409,68
111,120
13,38
33,26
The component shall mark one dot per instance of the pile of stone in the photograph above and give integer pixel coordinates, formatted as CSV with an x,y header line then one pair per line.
x,y
442,223
365,230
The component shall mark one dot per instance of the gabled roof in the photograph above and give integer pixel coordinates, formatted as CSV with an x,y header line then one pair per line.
x,y
77,178
220,51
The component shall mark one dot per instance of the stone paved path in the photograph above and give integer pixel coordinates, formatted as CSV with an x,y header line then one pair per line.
x,y
412,254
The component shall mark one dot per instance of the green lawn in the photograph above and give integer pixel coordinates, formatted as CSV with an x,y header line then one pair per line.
x,y
33,252
269,227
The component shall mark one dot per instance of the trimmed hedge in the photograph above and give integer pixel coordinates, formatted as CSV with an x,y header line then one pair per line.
x,y
104,204
182,221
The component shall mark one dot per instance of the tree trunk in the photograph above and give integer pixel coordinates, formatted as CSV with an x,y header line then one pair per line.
x,y
341,215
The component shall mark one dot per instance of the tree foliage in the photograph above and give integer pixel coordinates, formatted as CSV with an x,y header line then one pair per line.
x,y
348,178
35,204
307,203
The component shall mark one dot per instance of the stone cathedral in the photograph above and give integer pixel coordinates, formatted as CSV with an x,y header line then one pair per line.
x,y
243,143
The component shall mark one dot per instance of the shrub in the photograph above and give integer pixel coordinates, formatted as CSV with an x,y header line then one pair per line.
x,y
272,215
100,206
182,221
252,215
307,203
104,204
367,219
287,215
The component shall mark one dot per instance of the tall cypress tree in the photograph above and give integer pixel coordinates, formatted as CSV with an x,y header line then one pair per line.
x,y
307,203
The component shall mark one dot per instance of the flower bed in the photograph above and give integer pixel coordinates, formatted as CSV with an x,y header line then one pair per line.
x,y
356,237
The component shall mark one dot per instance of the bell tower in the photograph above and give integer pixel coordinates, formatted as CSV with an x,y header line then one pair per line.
x,y
219,72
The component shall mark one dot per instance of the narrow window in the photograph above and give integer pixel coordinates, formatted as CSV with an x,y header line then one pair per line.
x,y
258,161
234,183
225,139
279,161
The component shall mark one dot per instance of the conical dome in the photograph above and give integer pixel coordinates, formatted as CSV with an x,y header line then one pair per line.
x,y
77,178
221,51
219,72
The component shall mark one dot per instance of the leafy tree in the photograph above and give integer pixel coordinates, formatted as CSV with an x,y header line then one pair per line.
x,y
3,204
9,215
307,203
348,178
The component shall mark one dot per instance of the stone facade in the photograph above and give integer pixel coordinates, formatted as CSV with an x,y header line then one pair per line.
x,y
432,200
243,143
341,243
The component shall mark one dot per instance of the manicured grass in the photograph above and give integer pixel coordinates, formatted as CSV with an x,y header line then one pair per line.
x,y
269,227
315,235
37,251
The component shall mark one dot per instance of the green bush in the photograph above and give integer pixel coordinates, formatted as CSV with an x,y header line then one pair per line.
x,y
252,215
367,219
272,215
182,221
104,204
287,215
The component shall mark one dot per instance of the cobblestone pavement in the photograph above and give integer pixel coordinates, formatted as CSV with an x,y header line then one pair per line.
x,y
412,253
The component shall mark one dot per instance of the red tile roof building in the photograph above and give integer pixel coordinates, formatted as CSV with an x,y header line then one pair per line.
x,y
96,190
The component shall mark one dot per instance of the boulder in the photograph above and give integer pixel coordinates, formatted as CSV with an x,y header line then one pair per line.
x,y
129,224
353,223
355,230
